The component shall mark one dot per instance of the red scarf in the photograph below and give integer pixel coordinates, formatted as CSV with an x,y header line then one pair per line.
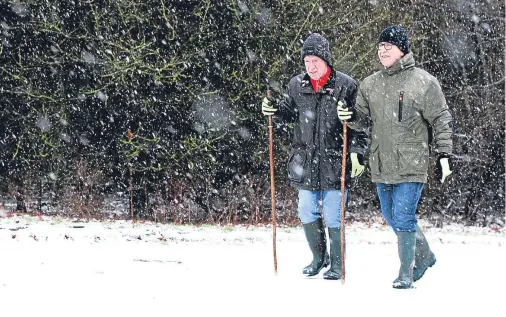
x,y
318,84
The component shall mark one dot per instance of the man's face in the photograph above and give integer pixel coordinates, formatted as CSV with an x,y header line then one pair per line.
x,y
389,54
315,66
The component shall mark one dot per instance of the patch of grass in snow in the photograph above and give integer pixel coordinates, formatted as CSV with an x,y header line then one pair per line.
x,y
56,220
28,219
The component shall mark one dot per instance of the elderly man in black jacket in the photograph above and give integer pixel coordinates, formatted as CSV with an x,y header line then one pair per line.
x,y
314,162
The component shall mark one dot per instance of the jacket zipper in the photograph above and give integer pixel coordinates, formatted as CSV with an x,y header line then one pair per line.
x,y
317,136
401,104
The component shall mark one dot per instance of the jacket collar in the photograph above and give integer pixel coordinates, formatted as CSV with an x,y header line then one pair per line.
x,y
328,88
406,62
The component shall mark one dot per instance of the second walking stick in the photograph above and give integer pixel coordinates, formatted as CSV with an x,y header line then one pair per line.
x,y
343,177
273,193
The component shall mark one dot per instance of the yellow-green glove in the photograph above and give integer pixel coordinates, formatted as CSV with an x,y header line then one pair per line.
x,y
267,108
356,168
343,112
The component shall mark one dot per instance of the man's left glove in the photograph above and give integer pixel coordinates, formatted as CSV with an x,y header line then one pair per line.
x,y
344,113
357,164
443,169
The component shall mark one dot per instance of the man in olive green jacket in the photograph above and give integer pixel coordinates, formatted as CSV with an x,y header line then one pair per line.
x,y
399,103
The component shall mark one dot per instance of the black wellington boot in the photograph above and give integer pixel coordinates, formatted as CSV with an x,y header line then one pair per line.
x,y
335,272
315,235
406,242
424,258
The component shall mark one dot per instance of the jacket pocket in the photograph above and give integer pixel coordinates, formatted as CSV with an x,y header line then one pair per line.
x,y
413,158
374,163
330,167
296,164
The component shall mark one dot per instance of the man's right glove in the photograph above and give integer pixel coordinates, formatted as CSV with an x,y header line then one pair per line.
x,y
267,108
443,169
357,164
344,113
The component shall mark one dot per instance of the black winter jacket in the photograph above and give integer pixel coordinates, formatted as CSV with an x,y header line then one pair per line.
x,y
314,162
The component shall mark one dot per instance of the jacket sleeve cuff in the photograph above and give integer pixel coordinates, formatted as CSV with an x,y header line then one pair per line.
x,y
360,158
443,155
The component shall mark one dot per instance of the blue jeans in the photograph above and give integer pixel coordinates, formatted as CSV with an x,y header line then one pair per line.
x,y
398,204
309,209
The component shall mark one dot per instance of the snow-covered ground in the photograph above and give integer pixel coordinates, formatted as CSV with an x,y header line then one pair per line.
x,y
55,267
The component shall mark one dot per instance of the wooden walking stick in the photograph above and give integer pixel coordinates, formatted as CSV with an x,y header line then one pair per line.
x,y
343,177
273,197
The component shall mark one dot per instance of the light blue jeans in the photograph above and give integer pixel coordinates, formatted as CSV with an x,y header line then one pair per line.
x,y
309,208
399,203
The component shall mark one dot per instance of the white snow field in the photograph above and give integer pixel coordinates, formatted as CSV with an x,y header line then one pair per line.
x,y
56,267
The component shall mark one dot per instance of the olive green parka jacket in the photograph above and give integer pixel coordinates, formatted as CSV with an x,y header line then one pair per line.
x,y
400,104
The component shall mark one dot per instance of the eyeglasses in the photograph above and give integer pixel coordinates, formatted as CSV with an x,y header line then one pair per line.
x,y
386,46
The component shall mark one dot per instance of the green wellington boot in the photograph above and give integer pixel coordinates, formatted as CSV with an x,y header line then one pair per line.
x,y
406,242
334,273
424,258
315,235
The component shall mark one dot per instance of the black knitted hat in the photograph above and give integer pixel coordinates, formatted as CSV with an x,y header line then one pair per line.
x,y
317,45
396,35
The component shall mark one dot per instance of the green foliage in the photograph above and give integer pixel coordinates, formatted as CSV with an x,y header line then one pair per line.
x,y
186,78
